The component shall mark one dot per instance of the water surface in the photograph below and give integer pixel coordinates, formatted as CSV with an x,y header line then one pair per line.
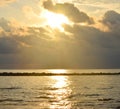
x,y
64,92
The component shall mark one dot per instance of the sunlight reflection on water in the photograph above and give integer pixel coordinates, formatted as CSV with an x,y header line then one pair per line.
x,y
60,81
62,93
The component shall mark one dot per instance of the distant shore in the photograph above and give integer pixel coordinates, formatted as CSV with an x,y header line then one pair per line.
x,y
53,74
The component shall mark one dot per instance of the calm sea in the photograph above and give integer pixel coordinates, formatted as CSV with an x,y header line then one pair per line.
x,y
60,92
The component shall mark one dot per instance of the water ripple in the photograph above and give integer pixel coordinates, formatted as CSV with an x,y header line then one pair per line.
x,y
10,100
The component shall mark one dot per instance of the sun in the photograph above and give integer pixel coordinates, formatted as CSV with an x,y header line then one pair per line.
x,y
55,21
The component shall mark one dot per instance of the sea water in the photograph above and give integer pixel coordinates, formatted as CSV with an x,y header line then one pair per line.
x,y
60,92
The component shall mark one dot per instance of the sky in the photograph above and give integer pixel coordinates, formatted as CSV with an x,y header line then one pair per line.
x,y
64,34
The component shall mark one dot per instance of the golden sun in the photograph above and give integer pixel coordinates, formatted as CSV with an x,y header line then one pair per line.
x,y
55,21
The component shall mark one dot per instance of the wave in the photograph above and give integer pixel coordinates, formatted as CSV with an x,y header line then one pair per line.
x,y
10,88
10,100
105,99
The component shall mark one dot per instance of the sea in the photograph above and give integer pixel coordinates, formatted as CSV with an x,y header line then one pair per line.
x,y
60,91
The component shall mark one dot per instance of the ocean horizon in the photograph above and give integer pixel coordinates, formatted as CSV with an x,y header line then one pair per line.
x,y
57,71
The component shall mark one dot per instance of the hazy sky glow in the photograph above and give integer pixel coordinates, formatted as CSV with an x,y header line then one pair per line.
x,y
59,34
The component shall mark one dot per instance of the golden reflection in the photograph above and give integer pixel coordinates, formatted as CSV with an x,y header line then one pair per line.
x,y
60,81
62,92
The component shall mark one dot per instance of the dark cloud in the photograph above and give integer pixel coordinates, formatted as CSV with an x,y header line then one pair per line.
x,y
69,10
112,20
98,47
8,45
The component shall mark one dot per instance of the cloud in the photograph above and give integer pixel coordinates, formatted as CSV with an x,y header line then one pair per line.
x,y
112,21
4,2
69,10
105,4
102,47
9,37
8,45
4,24
32,17
78,47
97,8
